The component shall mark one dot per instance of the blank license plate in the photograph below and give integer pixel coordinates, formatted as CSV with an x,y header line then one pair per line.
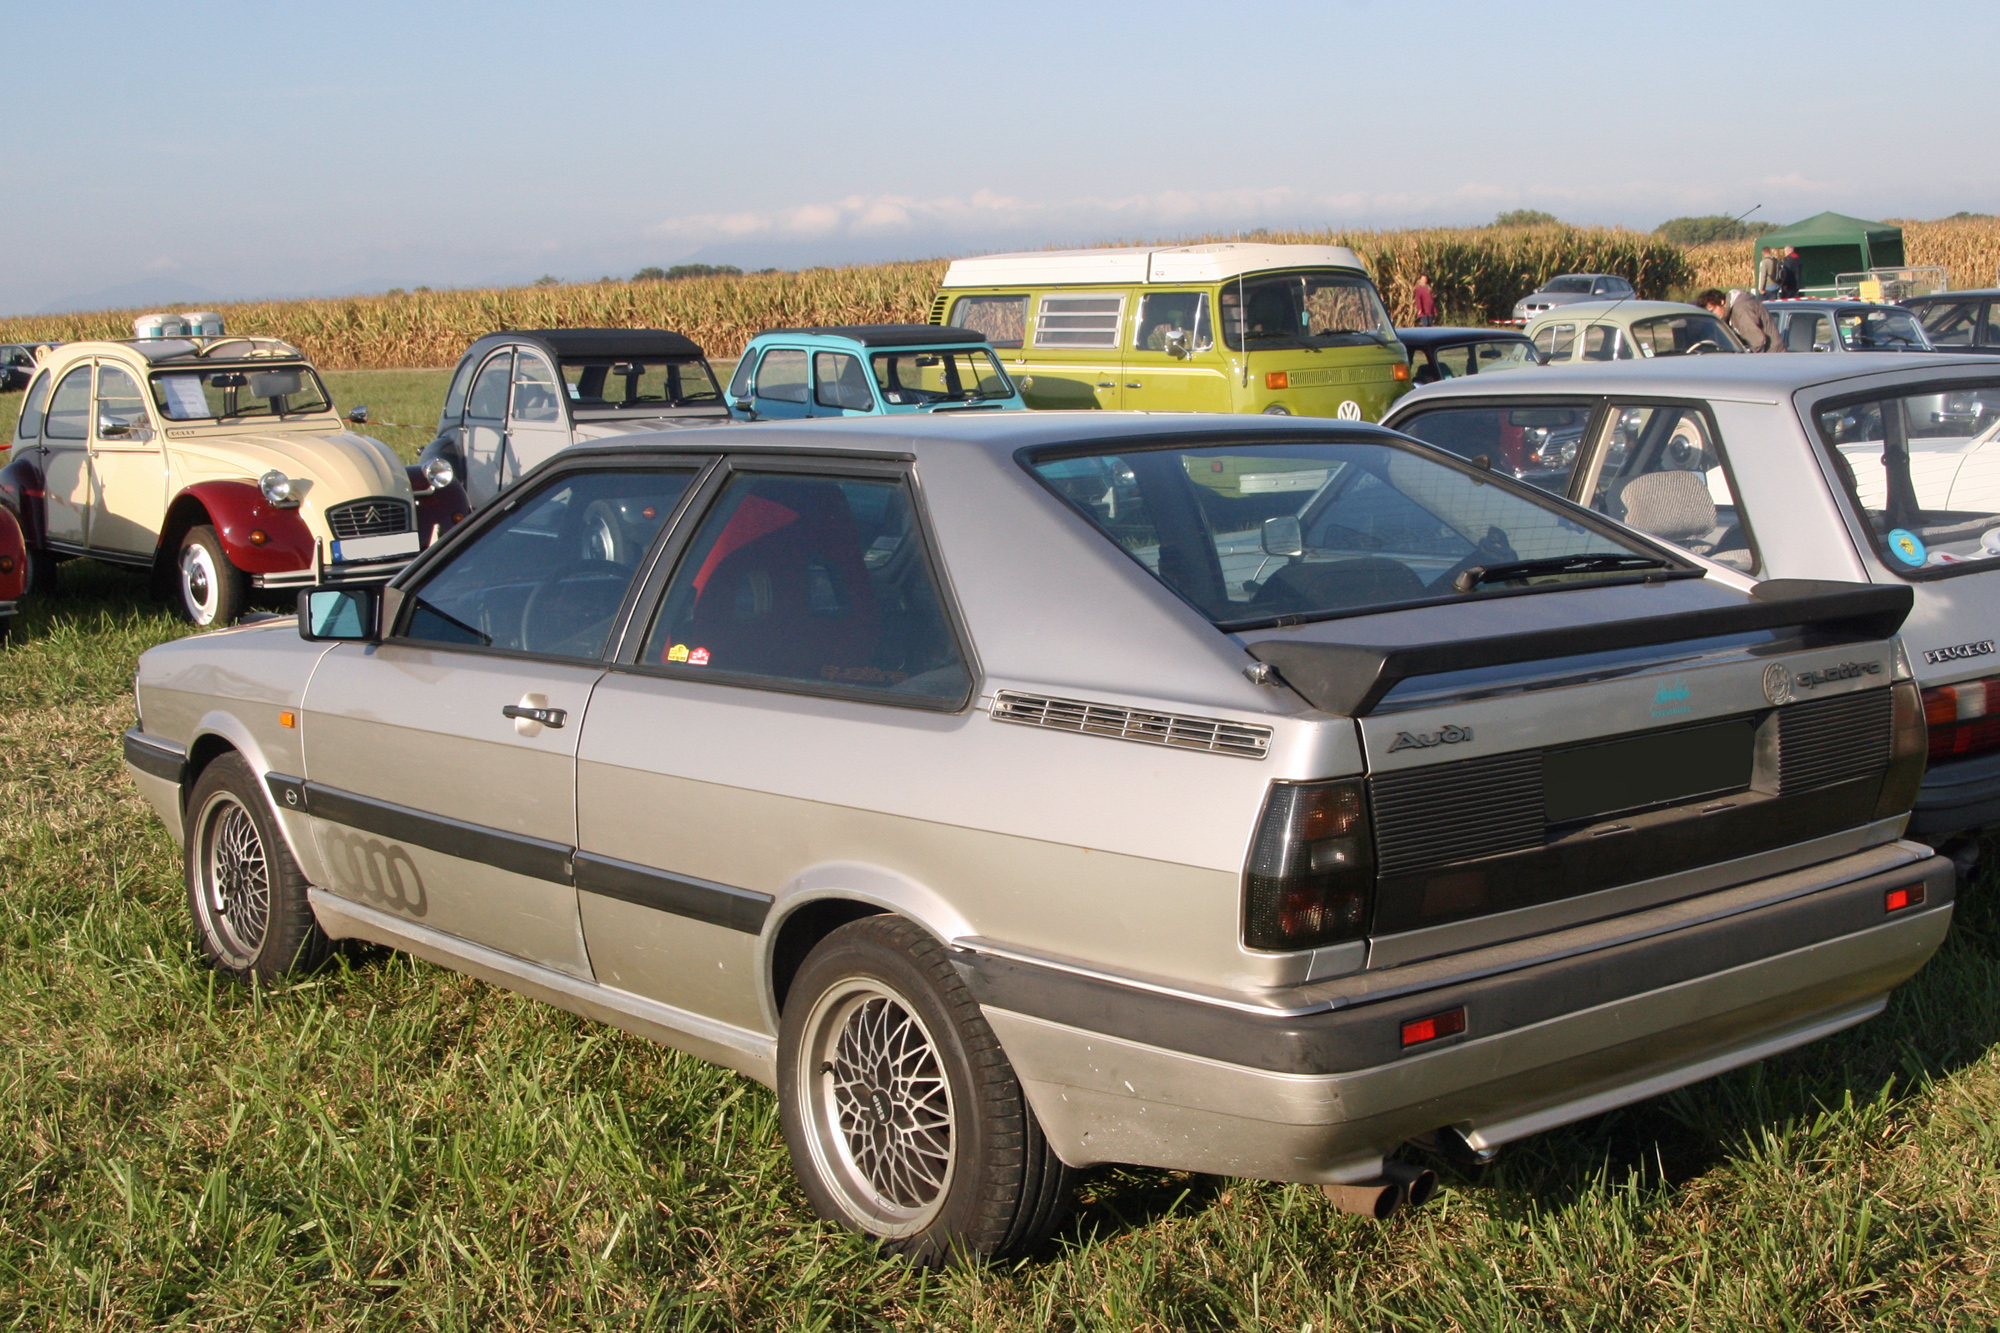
x,y
374,548
1656,769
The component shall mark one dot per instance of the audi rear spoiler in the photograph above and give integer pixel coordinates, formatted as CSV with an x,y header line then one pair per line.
x,y
1349,679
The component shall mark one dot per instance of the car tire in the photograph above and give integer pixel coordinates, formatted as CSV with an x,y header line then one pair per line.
x,y
903,1115
209,591
245,893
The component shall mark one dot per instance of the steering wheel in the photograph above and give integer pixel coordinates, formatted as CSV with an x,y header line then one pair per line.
x,y
1705,346
576,612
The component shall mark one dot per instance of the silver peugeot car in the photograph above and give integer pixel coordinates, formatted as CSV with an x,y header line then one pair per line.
x,y
1016,793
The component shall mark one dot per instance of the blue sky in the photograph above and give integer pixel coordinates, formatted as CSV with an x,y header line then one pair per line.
x,y
222,151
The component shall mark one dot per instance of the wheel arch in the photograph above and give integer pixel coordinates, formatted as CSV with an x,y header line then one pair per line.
x,y
219,733
823,899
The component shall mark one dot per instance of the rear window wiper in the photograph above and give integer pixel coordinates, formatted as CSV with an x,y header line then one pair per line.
x,y
1555,564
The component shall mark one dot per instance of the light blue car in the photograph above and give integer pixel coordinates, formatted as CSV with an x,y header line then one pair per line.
x,y
868,370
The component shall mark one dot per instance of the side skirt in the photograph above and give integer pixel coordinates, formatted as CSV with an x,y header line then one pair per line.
x,y
750,1053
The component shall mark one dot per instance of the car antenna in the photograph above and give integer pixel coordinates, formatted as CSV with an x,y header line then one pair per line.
x,y
1243,329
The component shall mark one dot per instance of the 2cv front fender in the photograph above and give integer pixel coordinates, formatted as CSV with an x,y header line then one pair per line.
x,y
257,536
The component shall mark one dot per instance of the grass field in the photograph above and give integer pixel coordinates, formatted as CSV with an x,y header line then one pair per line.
x,y
387,1145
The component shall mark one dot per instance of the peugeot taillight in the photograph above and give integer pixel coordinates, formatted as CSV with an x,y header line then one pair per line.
x,y
1964,719
1311,876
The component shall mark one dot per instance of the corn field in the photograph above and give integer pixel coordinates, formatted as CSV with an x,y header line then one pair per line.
x,y
1477,273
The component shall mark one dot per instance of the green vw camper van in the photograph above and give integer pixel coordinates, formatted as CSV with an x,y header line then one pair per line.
x,y
1228,327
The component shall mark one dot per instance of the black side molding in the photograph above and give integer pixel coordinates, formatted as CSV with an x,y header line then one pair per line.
x,y
1349,679
151,755
513,852
680,895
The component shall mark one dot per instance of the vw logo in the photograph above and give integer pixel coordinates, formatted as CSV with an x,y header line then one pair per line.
x,y
1349,410
1778,683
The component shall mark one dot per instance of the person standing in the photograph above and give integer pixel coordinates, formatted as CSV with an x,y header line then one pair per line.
x,y
1791,273
1746,317
1425,302
1770,273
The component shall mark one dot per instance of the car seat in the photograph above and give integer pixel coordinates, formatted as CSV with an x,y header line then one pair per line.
x,y
1800,331
1675,506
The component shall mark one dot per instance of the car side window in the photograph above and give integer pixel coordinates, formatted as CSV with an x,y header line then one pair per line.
x,y
1003,319
1601,342
1556,341
489,391
69,410
739,382
1991,338
1453,362
1661,471
30,425
839,381
782,376
811,582
1169,320
119,402
454,398
550,575
1951,324
535,391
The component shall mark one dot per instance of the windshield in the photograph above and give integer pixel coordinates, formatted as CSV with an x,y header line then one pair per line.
x,y
1924,470
1681,335
623,383
1317,309
1881,331
916,376
227,392
1257,533
1566,286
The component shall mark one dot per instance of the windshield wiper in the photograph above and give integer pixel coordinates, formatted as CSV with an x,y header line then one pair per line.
x,y
1555,564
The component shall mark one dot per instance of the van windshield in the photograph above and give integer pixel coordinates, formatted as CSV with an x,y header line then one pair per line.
x,y
1312,309
1258,533
227,392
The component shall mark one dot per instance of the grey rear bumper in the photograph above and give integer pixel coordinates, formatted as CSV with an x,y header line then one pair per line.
x,y
1957,795
1556,1029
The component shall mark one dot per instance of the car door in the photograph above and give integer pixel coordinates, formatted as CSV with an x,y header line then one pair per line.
x,y
1172,364
841,386
799,646
128,469
782,386
66,442
1078,362
537,420
440,763
486,427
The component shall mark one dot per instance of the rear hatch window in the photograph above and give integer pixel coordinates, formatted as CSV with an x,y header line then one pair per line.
x,y
1256,533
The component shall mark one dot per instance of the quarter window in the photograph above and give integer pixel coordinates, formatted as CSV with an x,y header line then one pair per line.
x,y
489,391
454,399
811,582
550,576
1003,319
1662,472
534,390
69,411
30,426
841,382
1924,470
1078,321
781,377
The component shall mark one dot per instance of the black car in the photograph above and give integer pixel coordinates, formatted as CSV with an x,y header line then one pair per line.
x,y
1448,353
17,365
1960,321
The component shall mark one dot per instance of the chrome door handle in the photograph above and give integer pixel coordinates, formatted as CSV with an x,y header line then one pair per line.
x,y
548,717
1107,384
1130,385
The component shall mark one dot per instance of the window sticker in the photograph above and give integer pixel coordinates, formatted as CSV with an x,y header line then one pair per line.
x,y
699,657
678,653
1909,548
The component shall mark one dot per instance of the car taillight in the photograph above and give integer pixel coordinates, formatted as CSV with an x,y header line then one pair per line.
x,y
1906,750
1964,718
1311,876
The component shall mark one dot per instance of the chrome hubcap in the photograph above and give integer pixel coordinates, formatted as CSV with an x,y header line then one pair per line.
x,y
198,584
238,890
879,1107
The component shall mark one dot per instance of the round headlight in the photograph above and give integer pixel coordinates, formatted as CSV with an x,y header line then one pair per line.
x,y
277,487
438,472
1277,410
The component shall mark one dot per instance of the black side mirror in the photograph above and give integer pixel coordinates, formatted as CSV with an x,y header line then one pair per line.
x,y
359,416
340,615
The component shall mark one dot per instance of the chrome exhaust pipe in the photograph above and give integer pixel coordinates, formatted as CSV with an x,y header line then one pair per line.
x,y
1418,1184
1378,1199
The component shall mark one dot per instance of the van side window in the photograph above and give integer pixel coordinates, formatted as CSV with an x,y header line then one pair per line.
x,y
31,409
1078,321
782,376
1003,319
1661,472
811,581
1173,318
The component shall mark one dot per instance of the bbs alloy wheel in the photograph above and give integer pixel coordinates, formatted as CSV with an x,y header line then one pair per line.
x,y
235,879
245,893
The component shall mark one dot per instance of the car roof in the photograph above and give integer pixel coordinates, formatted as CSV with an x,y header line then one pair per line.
x,y
1783,303
600,342
1000,434
1212,261
1444,335
1742,376
1969,294
1592,276
1631,306
884,335
226,348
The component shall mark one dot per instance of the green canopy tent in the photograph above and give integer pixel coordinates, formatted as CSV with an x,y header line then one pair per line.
x,y
1832,243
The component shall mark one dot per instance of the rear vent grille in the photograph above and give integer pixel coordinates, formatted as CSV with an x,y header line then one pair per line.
x,y
1828,741
1457,812
1131,724
378,517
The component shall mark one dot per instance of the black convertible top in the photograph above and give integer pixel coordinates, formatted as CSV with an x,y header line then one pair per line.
x,y
607,342
893,335
1447,336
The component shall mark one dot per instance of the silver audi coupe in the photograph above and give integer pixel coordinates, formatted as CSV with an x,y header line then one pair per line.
x,y
1018,792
